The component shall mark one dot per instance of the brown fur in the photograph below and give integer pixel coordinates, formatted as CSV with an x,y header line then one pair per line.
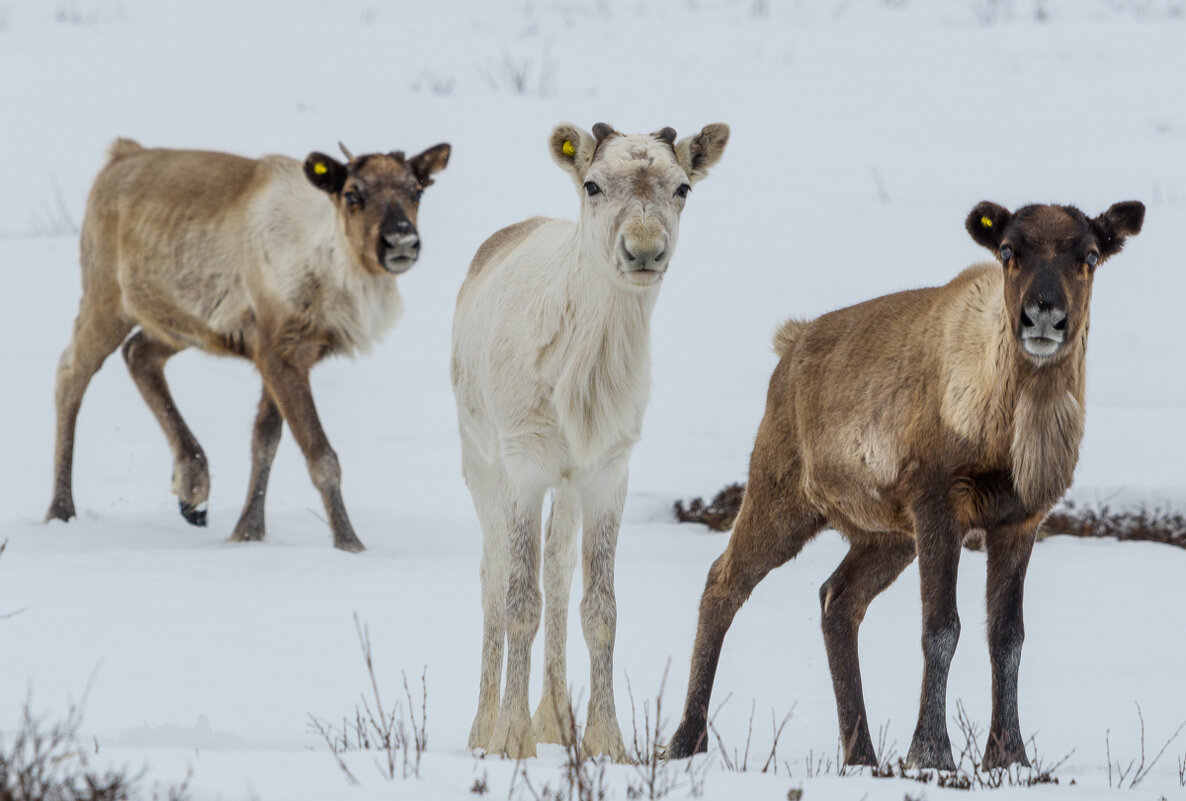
x,y
905,422
502,241
243,257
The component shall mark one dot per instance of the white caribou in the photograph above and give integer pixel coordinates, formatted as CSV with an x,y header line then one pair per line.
x,y
551,371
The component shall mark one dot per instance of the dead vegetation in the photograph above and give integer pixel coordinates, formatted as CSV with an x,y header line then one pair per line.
x,y
718,515
48,761
1141,523
655,777
582,778
1130,774
397,737
968,773
650,775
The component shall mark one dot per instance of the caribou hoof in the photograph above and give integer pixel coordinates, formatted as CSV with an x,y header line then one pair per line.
x,y
350,545
194,514
60,510
688,740
925,755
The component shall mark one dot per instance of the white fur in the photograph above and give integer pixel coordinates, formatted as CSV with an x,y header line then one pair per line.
x,y
300,233
551,371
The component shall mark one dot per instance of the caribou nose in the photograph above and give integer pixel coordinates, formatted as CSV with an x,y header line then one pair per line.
x,y
1043,328
643,254
1042,317
404,239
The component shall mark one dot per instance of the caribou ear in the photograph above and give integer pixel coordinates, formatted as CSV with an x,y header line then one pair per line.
x,y
430,161
1120,221
986,223
697,153
325,173
572,148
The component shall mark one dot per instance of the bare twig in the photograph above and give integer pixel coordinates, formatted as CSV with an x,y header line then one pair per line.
x,y
1143,771
656,776
55,219
7,615
399,741
772,760
335,748
879,182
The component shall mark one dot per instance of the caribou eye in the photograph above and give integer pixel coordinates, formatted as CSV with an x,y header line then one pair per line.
x,y
1006,253
1092,259
683,190
592,189
352,199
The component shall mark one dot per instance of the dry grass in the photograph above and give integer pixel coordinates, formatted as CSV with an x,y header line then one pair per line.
x,y
46,761
655,776
582,778
1140,523
718,515
1133,773
398,739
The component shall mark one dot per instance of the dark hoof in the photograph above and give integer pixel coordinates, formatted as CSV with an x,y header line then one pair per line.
x,y
246,536
193,515
353,545
60,511
930,756
1004,760
867,760
1002,756
688,740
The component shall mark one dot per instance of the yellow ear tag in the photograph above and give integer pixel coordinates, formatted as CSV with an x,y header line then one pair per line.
x,y
986,221
320,168
568,148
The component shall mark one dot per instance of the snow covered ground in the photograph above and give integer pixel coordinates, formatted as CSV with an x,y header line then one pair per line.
x,y
863,132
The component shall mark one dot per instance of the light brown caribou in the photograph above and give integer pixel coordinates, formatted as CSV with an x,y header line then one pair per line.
x,y
905,422
280,262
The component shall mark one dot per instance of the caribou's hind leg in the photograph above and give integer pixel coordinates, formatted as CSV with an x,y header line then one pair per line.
x,y
98,330
552,721
520,509
265,437
770,530
871,565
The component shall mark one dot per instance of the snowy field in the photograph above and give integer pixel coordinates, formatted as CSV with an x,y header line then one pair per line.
x,y
863,132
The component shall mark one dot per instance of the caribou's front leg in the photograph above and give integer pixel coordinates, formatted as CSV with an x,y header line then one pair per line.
x,y
513,733
146,359
1008,557
599,613
938,540
289,386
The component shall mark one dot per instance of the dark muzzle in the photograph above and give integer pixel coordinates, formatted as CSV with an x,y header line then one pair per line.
x,y
1043,328
400,245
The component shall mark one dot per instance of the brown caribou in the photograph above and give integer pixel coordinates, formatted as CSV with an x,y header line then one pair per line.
x,y
905,422
280,262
